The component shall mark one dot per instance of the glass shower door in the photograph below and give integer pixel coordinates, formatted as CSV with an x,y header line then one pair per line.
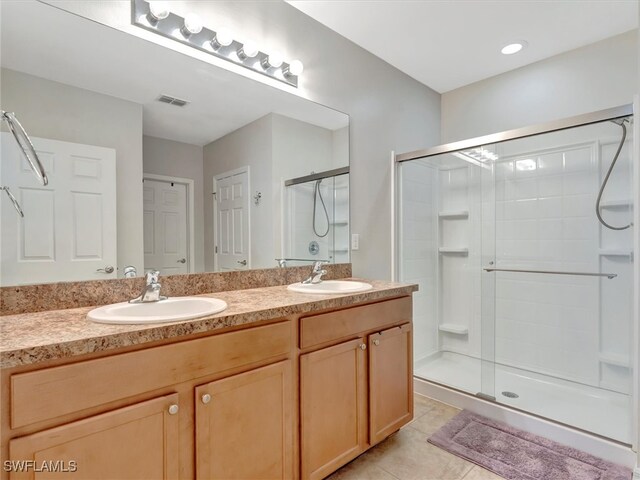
x,y
561,319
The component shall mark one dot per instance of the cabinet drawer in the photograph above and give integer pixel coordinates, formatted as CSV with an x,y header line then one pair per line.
x,y
57,391
319,329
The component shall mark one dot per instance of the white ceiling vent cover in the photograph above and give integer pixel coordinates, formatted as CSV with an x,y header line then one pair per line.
x,y
178,102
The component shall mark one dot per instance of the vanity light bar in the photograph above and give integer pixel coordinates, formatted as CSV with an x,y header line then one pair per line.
x,y
190,31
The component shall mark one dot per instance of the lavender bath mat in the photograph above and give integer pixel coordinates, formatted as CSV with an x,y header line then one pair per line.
x,y
517,455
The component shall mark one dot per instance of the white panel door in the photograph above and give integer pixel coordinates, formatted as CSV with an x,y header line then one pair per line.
x,y
232,224
69,227
165,227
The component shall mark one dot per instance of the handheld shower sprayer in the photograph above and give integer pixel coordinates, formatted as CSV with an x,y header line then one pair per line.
x,y
621,123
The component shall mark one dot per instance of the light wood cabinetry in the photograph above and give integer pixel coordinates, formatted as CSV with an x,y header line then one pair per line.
x,y
139,415
358,392
244,426
333,407
135,442
390,381
292,398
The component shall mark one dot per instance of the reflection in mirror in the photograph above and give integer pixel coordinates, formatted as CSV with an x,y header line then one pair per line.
x,y
157,160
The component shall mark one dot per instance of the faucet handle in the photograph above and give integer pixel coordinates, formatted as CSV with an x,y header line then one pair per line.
x,y
317,265
152,277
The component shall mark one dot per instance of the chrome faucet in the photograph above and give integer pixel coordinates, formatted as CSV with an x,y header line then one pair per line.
x,y
151,292
316,273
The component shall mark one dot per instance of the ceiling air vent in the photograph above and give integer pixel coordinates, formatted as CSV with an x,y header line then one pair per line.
x,y
172,100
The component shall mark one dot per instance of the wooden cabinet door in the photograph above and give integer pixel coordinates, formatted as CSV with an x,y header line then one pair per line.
x,y
244,425
390,381
333,393
135,442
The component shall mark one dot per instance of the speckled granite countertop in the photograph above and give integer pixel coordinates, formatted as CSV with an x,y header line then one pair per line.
x,y
38,337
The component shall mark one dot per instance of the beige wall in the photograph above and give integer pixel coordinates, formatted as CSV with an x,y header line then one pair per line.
x,y
53,110
177,159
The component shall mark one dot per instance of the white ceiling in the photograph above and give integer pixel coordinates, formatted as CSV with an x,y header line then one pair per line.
x,y
447,44
79,52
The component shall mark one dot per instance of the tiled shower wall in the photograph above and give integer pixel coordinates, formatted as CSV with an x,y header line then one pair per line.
x,y
573,327
418,190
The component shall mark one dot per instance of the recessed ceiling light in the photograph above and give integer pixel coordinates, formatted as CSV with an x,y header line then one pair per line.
x,y
513,47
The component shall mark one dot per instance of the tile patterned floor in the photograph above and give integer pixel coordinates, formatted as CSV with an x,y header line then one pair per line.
x,y
407,455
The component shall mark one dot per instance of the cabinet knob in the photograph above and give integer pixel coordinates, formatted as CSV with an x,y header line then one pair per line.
x,y
376,342
206,398
173,409
363,346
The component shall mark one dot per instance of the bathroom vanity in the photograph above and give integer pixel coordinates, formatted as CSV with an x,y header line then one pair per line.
x,y
280,385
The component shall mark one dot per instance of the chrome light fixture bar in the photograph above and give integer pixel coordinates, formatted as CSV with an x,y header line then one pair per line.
x,y
188,30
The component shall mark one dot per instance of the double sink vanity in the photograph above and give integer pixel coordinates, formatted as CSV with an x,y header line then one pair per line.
x,y
280,384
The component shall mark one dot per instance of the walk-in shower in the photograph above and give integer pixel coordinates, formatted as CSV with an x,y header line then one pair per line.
x,y
316,225
525,298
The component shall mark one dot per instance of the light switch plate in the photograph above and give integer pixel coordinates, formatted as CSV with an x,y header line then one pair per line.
x,y
355,241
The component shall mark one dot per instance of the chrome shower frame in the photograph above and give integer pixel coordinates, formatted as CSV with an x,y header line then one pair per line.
x,y
554,126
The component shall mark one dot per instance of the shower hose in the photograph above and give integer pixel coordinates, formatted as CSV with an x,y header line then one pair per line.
x,y
606,179
318,193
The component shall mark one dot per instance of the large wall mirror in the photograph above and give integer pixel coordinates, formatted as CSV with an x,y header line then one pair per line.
x,y
157,160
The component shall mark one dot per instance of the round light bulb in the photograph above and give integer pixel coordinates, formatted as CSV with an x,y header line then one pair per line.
x,y
159,10
224,37
275,59
296,67
192,24
248,50
512,48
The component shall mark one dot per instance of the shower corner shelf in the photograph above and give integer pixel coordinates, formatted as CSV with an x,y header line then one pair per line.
x,y
339,223
614,253
453,328
454,251
615,359
454,214
616,203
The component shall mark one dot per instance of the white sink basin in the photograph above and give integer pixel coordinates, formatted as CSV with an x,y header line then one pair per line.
x,y
330,286
172,309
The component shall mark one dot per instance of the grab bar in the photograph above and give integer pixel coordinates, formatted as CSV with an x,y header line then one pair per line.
x,y
16,205
553,272
24,142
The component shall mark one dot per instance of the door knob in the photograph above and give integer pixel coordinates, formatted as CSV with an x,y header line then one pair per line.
x,y
243,262
182,260
107,269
